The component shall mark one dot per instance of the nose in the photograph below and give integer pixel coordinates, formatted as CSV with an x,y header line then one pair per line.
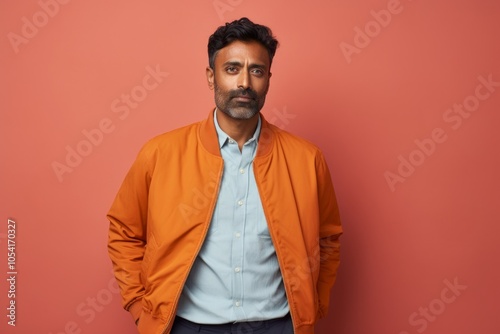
x,y
244,80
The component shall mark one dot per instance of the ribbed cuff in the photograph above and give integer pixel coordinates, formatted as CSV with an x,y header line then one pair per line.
x,y
135,310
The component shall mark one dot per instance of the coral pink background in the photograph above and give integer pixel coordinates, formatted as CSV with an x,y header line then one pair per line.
x,y
65,68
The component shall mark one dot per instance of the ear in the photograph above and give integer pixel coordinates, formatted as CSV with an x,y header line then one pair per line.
x,y
210,77
268,82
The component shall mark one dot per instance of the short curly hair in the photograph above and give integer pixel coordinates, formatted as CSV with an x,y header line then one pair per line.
x,y
241,30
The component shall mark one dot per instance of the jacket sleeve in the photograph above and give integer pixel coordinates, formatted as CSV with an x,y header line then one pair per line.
x,y
330,231
128,232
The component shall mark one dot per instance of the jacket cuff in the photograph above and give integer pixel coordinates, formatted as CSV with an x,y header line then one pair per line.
x,y
136,309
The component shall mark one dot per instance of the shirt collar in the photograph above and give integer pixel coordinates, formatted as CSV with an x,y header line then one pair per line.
x,y
224,138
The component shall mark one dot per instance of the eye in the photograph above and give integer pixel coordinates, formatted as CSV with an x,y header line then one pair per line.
x,y
231,69
257,72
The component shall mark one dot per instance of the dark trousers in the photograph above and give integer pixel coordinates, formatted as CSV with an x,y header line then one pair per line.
x,y
274,326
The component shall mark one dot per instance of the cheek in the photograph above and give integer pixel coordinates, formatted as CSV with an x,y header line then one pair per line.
x,y
225,82
222,88
220,92
262,89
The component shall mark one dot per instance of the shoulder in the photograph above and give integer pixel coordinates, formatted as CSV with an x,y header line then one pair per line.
x,y
293,143
172,140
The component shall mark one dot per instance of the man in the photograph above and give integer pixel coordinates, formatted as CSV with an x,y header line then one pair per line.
x,y
229,225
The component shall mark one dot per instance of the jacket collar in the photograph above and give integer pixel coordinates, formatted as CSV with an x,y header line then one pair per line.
x,y
209,139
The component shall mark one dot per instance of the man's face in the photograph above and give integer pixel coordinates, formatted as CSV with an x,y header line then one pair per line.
x,y
240,79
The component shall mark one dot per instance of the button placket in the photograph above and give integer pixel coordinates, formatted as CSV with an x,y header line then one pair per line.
x,y
241,193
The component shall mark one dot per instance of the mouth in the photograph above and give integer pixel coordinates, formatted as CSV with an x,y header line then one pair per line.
x,y
243,98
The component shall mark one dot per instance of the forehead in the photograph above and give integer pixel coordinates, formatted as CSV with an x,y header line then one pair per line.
x,y
243,51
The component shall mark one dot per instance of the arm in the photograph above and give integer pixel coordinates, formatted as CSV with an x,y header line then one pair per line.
x,y
330,231
128,233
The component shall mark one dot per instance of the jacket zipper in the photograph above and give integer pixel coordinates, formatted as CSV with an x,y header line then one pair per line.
x,y
278,255
171,316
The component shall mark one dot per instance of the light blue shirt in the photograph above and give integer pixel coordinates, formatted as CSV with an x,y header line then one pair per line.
x,y
236,276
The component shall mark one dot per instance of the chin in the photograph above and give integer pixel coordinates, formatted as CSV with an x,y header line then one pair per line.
x,y
241,113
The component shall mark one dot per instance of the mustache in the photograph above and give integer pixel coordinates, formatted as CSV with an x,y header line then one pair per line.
x,y
243,92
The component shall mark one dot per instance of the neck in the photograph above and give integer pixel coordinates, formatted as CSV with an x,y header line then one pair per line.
x,y
240,130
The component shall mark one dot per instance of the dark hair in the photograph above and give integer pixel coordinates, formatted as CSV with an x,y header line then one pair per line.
x,y
241,30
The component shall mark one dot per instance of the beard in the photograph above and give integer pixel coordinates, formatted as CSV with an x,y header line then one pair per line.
x,y
226,102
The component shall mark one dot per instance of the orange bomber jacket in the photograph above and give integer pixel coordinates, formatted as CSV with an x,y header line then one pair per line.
x,y
162,211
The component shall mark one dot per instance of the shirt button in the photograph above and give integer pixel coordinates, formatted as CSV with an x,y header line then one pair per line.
x,y
242,171
237,304
240,203
231,141
237,269
237,234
